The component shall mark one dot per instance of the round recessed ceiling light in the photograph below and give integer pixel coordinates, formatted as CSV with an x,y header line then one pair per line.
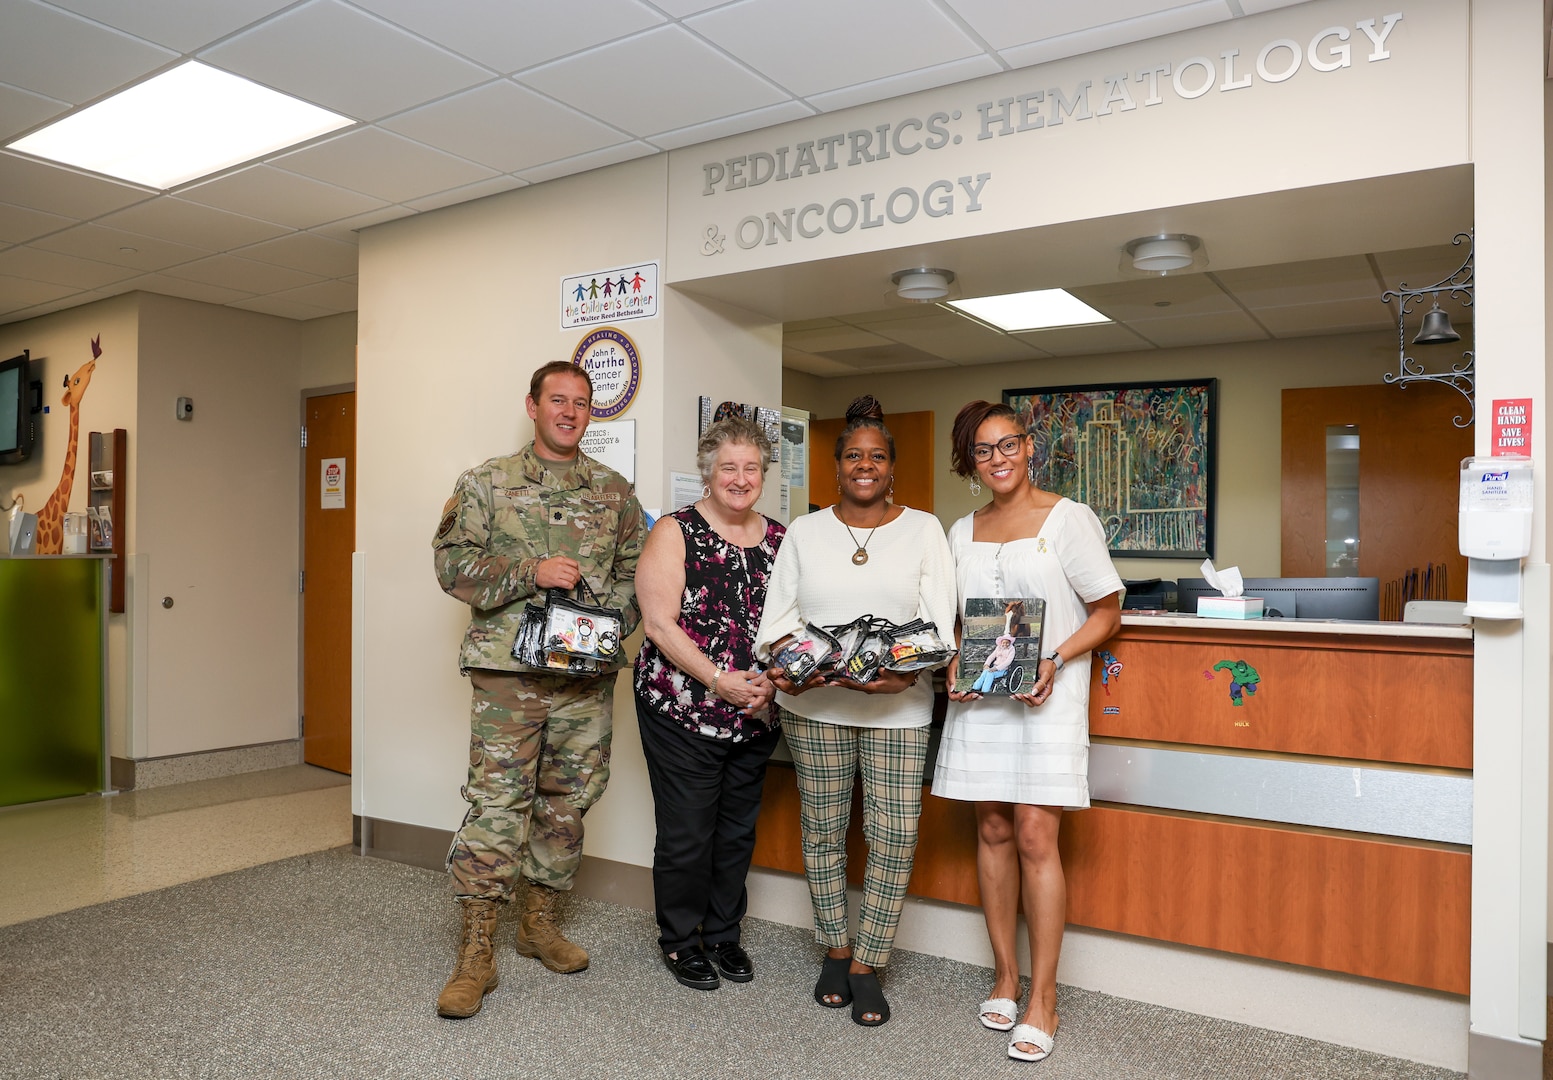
x,y
922,285
1164,253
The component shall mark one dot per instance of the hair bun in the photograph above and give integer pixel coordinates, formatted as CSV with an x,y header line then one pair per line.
x,y
865,407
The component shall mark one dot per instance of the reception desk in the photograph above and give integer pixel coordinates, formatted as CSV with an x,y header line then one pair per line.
x,y
1292,790
53,653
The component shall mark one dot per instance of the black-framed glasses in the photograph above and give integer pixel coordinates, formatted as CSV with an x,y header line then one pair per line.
x,y
1008,447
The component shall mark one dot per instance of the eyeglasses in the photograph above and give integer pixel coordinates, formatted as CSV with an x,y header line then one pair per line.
x,y
1008,447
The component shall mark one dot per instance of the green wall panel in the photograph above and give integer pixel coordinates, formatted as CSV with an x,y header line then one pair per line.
x,y
51,678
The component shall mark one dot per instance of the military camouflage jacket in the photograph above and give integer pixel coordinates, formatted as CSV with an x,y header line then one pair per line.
x,y
505,517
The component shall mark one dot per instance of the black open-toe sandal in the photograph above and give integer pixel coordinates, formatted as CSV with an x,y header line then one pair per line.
x,y
833,981
868,997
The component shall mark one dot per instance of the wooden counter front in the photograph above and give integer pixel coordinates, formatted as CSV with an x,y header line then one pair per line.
x,y
1374,697
1375,906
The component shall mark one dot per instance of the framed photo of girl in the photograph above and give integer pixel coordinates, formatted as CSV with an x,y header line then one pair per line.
x,y
1141,455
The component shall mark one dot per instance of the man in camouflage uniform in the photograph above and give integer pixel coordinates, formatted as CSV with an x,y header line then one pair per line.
x,y
547,517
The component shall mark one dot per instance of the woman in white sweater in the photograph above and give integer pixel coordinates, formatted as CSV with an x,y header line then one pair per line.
x,y
862,556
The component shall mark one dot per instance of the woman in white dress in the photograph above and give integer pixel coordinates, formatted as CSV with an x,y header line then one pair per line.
x,y
1024,758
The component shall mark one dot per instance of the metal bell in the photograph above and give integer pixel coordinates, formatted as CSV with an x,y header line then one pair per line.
x,y
1436,329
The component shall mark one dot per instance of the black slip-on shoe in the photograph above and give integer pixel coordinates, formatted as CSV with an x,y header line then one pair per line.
x,y
693,969
733,961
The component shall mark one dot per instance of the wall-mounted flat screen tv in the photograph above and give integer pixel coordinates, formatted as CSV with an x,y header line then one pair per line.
x,y
19,399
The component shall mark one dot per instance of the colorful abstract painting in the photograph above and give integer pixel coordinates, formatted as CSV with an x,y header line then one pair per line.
x,y
1140,454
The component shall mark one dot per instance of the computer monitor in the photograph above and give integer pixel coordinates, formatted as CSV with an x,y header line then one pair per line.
x,y
1354,598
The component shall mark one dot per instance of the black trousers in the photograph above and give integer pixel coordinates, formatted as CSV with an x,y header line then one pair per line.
x,y
706,797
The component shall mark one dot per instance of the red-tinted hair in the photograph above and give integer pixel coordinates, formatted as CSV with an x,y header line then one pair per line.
x,y
962,437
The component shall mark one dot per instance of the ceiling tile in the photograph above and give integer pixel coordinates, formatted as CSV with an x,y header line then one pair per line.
x,y
284,198
623,83
286,309
345,60
814,365
833,339
18,224
897,311
17,293
595,159
383,165
57,269
505,126
959,340
1003,25
183,25
807,324
203,291
876,39
1084,340
679,9
244,275
928,78
61,56
1316,281
1418,268
307,252
779,113
891,357
1112,34
508,36
1335,317
346,229
59,191
190,223
1157,297
21,110
333,296
109,245
452,196
1170,333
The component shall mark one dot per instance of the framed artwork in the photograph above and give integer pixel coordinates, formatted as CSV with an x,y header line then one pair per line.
x,y
770,420
1142,456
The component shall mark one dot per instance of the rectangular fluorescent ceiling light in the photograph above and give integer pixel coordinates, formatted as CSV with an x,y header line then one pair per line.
x,y
1042,309
185,123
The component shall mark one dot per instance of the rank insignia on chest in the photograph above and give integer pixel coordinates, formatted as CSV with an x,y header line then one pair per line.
x,y
557,516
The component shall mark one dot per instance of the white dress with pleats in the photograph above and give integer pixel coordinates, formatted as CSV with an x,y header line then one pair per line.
x,y
997,749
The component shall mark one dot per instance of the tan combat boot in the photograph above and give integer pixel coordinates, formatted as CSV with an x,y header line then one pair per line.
x,y
474,975
539,933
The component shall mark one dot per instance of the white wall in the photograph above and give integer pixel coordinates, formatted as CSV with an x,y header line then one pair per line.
x,y
1251,377
218,525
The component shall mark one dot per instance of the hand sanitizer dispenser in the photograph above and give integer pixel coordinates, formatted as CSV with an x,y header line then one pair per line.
x,y
1495,533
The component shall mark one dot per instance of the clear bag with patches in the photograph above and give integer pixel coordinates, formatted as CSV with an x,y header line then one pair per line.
x,y
569,636
807,653
914,646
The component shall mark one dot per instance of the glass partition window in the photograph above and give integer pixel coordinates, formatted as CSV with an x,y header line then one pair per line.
x,y
1342,558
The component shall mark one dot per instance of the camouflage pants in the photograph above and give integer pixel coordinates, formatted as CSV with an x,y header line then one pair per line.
x,y
538,758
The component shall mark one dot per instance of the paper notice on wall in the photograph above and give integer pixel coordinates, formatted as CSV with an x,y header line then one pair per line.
x,y
613,443
684,488
332,484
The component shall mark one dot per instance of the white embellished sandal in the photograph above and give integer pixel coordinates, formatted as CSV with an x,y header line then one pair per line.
x,y
997,1007
1033,1036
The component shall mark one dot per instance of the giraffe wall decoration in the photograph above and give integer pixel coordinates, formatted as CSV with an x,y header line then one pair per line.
x,y
51,519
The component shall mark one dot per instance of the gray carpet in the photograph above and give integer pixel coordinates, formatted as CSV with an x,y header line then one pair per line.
x,y
328,965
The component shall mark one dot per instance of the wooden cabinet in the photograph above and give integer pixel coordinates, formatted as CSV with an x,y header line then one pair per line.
x,y
109,456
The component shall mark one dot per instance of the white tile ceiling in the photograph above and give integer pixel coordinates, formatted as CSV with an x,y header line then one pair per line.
x,y
456,101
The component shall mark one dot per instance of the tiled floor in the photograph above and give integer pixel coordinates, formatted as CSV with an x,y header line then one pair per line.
x,y
62,855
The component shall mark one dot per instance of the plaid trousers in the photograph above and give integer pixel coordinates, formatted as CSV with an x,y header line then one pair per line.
x,y
826,757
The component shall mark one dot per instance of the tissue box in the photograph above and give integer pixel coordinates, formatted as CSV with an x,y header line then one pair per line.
x,y
1230,607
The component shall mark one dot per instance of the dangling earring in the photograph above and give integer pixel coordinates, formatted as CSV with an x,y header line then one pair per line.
x,y
706,491
975,486
891,493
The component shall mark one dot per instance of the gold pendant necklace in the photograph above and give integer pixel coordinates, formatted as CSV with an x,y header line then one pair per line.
x,y
860,556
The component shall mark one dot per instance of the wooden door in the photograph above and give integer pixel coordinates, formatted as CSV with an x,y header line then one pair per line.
x,y
1409,480
913,433
328,541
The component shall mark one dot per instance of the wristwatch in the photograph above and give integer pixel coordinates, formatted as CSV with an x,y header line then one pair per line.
x,y
1055,657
